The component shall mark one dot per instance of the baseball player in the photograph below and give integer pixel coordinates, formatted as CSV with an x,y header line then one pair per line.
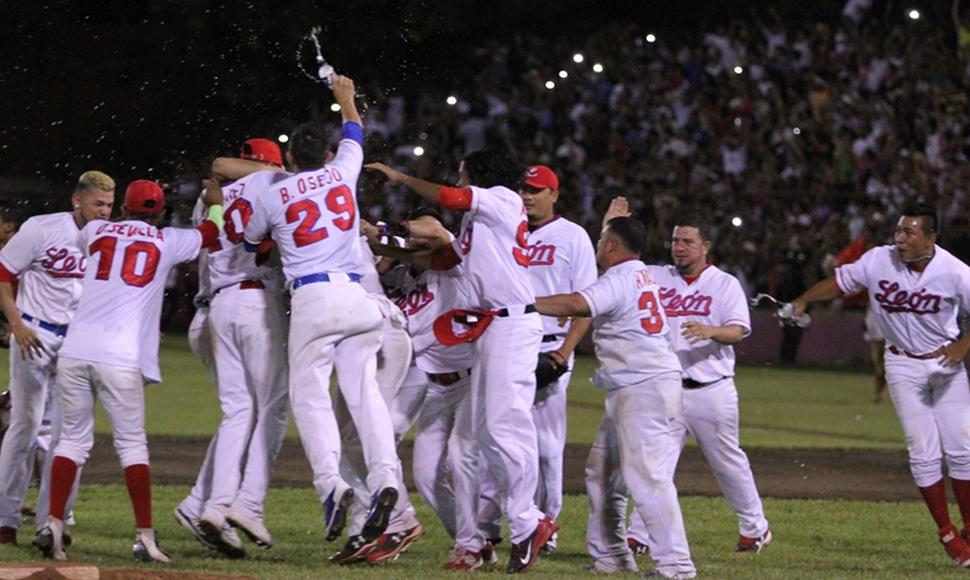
x,y
394,360
708,313
313,218
637,440
445,460
916,292
248,328
121,307
492,247
561,260
44,259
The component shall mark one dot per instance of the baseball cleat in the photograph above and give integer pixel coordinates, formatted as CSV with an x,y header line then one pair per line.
x,y
379,514
354,551
612,567
637,547
464,559
525,553
254,529
335,510
390,546
146,548
50,539
674,576
956,547
224,538
748,545
192,525
550,546
8,536
488,552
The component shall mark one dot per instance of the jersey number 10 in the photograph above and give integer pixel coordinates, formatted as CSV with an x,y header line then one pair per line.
x,y
106,245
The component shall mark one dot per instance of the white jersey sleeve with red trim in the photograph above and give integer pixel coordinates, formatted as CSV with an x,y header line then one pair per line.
x,y
117,320
630,330
47,259
856,277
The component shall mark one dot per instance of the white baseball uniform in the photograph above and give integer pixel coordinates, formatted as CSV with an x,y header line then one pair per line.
x,y
445,460
637,440
200,342
111,349
49,264
492,245
917,313
248,331
393,362
313,218
714,298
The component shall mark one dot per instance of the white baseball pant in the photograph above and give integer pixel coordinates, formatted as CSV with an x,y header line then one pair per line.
x,y
31,382
502,392
633,451
335,326
933,406
248,329
200,342
393,362
445,462
711,415
122,393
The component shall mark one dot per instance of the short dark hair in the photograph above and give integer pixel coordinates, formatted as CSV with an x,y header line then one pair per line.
x,y
309,144
696,221
931,223
492,166
631,233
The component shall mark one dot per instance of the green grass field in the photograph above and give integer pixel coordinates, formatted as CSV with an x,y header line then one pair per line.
x,y
813,539
780,408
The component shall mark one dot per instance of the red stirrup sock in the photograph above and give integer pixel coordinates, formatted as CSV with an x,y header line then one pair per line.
x,y
935,498
63,473
961,489
138,479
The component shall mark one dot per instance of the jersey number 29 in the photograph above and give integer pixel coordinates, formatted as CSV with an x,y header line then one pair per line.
x,y
339,200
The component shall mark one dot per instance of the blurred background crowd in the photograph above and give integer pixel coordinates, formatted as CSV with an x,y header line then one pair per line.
x,y
795,135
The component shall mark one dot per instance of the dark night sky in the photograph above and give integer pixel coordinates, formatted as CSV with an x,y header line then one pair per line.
x,y
134,88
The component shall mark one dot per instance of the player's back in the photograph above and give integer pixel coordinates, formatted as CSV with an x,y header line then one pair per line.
x,y
313,216
561,261
117,319
630,329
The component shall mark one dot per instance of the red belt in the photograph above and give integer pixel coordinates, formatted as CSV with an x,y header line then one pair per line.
x,y
244,285
446,379
935,354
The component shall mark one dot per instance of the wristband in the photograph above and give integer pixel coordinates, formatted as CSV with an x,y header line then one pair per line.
x,y
215,215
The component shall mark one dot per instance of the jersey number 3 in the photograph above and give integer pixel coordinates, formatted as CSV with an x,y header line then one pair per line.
x,y
653,322
339,200
132,273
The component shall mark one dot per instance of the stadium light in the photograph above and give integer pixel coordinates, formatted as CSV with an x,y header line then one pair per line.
x,y
577,58
418,151
550,85
563,74
597,68
737,222
650,38
335,107
913,14
737,69
797,131
283,138
452,100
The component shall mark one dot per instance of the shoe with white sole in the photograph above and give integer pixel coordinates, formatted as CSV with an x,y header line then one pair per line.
x,y
50,539
254,529
335,509
192,524
146,547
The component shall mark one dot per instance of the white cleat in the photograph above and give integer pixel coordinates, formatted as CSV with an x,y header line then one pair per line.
x,y
146,548
254,529
50,539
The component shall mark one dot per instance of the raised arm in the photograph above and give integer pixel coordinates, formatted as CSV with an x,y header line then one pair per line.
x,y
822,291
426,189
343,93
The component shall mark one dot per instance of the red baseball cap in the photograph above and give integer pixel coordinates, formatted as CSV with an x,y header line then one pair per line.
x,y
459,326
262,150
144,196
542,177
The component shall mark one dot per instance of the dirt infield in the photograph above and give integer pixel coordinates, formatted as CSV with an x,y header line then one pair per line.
x,y
782,473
